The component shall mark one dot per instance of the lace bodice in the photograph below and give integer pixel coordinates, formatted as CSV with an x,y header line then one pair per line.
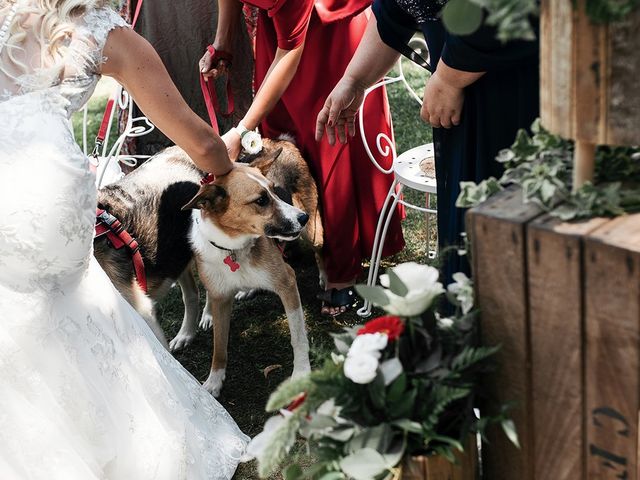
x,y
74,75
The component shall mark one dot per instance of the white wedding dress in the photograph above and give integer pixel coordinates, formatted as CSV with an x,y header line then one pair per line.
x,y
86,390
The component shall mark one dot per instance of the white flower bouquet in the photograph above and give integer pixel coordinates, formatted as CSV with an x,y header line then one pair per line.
x,y
400,385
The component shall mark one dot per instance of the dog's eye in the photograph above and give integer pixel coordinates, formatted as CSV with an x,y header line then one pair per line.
x,y
262,201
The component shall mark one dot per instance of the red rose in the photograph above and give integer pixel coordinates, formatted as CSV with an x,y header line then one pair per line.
x,y
390,325
297,401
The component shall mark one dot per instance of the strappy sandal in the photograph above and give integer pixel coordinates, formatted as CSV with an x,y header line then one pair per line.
x,y
341,299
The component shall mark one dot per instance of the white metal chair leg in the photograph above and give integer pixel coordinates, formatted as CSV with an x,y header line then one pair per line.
x,y
385,218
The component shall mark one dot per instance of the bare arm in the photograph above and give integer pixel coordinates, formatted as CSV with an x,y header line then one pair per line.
x,y
279,76
229,14
372,60
133,62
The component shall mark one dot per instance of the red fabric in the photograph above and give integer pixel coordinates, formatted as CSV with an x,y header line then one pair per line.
x,y
351,189
334,10
291,22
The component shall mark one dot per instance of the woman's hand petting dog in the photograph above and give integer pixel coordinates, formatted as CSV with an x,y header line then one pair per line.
x,y
233,142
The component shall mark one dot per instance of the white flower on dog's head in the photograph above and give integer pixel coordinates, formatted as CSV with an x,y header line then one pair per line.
x,y
361,368
368,344
462,290
251,142
422,283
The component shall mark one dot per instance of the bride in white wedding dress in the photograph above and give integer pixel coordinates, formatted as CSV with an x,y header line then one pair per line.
x,y
86,390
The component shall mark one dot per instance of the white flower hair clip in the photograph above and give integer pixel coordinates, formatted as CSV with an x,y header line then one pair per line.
x,y
250,140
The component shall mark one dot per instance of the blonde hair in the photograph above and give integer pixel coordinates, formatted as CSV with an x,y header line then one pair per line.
x,y
52,31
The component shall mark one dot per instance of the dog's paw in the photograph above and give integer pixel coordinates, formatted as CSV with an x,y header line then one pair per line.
x,y
213,384
246,294
181,340
206,321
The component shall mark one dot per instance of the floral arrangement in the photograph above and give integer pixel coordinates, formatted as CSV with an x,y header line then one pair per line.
x,y
400,385
542,164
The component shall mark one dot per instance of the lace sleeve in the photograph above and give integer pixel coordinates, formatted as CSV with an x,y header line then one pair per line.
x,y
92,32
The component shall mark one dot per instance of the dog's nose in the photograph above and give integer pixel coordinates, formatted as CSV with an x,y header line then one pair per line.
x,y
303,218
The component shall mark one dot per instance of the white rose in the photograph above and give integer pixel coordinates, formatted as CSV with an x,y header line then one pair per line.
x,y
251,142
422,283
462,289
361,368
368,344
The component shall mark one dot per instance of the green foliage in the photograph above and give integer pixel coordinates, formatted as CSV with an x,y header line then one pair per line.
x,y
606,11
420,402
287,391
512,19
542,164
280,445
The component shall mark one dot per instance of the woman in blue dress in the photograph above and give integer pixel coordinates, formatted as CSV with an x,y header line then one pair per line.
x,y
480,93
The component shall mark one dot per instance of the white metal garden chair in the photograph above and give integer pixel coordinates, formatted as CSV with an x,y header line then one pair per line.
x,y
413,169
108,157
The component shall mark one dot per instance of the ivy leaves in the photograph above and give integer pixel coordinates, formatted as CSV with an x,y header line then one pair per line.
x,y
542,164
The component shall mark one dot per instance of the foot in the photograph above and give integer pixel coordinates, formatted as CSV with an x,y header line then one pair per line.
x,y
246,294
213,384
206,321
181,340
337,299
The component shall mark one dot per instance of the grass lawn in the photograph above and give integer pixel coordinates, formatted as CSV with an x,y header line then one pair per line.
x,y
259,335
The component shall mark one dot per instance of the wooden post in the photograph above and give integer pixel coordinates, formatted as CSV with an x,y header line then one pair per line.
x,y
583,163
497,231
589,88
554,266
612,292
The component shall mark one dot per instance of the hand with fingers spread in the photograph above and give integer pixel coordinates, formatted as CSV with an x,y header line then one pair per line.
x,y
338,115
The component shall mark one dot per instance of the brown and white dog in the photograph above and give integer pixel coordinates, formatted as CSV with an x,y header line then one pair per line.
x,y
228,227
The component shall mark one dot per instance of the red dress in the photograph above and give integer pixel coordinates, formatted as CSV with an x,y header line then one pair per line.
x,y
351,189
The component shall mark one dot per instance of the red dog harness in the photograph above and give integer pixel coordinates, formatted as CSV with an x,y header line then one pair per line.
x,y
107,224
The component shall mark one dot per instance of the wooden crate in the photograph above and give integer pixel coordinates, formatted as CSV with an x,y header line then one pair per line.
x,y
436,467
564,302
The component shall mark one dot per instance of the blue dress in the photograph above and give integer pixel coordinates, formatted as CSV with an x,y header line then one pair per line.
x,y
496,106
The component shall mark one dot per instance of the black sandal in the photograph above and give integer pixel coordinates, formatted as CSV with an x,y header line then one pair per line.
x,y
337,298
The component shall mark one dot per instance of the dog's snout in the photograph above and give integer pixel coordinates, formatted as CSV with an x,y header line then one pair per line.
x,y
303,218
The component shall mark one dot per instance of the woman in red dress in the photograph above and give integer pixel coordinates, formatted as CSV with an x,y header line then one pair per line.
x,y
302,49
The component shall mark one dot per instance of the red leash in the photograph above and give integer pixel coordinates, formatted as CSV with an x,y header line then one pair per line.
x,y
108,111
119,237
209,89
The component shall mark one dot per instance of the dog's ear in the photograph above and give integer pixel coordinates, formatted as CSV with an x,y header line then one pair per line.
x,y
209,197
264,162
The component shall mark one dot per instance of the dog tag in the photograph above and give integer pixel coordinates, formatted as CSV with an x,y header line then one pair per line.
x,y
230,261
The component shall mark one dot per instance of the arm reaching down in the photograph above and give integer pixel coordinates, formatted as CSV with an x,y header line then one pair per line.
x,y
133,62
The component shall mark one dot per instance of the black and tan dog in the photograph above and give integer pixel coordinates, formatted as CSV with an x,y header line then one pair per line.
x,y
228,228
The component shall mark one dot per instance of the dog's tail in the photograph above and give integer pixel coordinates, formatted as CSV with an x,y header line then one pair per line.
x,y
287,137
